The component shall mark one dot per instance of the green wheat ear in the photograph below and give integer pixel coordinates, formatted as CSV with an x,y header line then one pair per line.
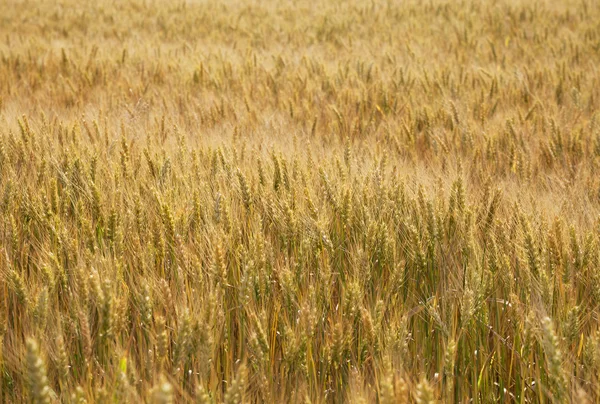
x,y
424,393
163,393
39,391
18,285
202,396
236,392
554,359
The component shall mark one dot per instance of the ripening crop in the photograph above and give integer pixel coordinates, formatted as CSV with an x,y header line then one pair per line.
x,y
271,201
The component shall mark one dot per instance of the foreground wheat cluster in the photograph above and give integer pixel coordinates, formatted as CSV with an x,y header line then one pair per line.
x,y
243,201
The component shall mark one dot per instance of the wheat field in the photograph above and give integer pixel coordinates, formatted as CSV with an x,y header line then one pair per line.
x,y
294,201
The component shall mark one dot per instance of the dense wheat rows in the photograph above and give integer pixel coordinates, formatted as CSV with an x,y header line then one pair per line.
x,y
275,201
